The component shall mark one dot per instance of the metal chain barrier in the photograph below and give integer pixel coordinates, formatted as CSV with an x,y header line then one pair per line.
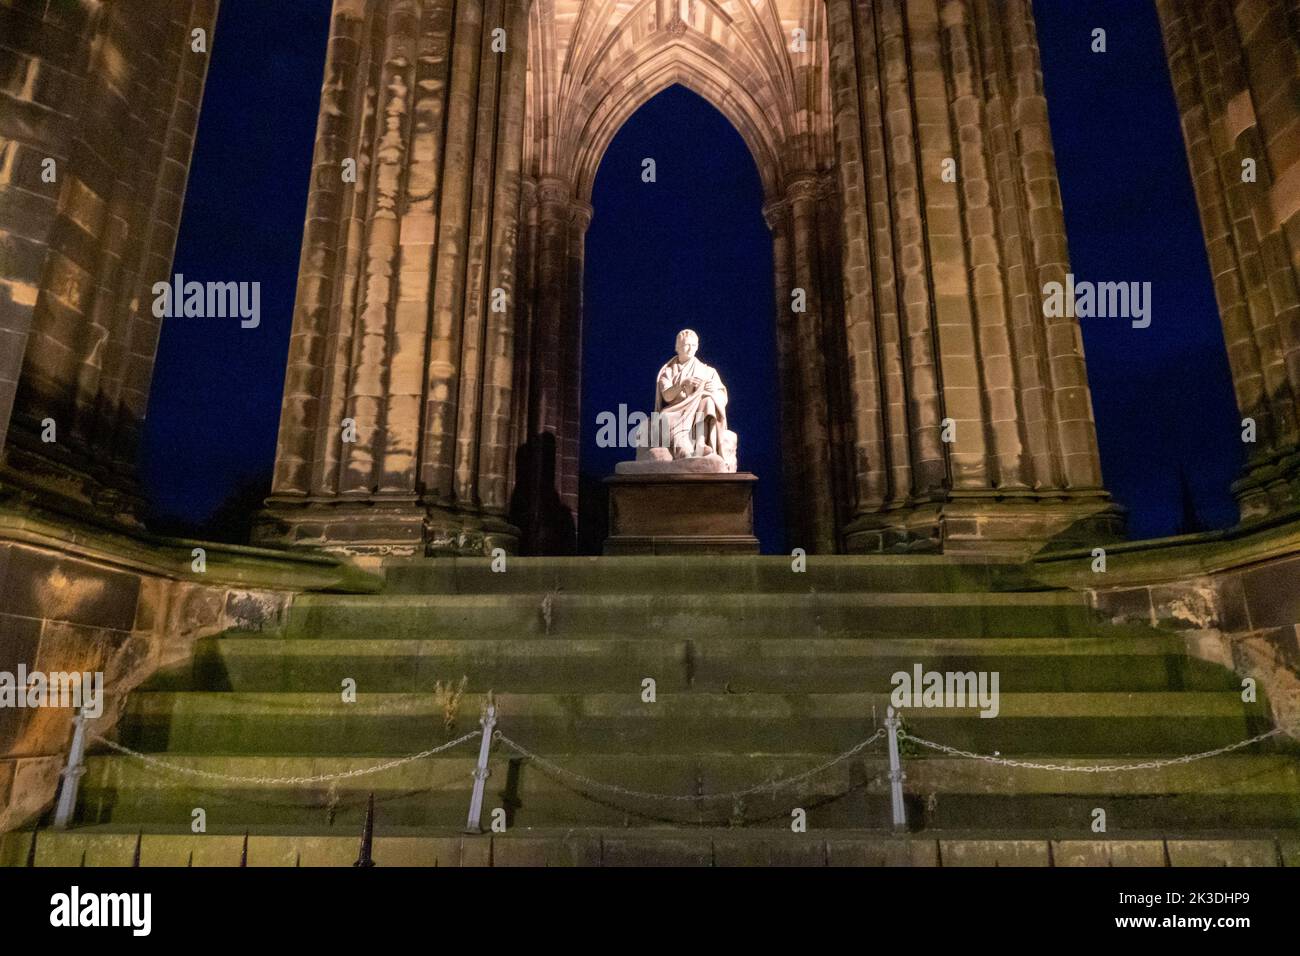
x,y
773,785
1095,768
318,778
490,735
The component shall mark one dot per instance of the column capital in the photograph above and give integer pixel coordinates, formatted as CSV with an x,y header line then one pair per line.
x,y
528,190
553,189
775,213
580,214
828,185
803,186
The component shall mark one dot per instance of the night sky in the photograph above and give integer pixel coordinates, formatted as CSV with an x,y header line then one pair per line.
x,y
692,250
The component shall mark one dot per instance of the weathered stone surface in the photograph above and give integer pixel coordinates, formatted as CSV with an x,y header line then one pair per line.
x,y
1235,66
858,211
111,95
1144,853
681,513
82,600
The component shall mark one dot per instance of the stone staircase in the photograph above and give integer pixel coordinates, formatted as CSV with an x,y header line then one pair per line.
x,y
761,674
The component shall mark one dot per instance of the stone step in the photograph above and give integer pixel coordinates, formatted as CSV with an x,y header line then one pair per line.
x,y
1060,723
110,846
703,575
629,615
1228,792
776,665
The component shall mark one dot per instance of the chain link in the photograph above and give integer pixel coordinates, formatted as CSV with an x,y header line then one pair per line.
x,y
591,783
773,785
1095,768
276,781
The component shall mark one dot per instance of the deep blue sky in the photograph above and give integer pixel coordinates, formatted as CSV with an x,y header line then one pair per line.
x,y
692,250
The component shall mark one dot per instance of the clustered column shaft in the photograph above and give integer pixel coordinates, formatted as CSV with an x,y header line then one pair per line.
x,y
1236,73
401,371
95,145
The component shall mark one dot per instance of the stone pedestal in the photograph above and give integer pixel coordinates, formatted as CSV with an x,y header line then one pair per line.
x,y
681,514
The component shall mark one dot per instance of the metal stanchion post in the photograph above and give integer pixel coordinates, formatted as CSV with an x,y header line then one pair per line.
x,y
71,774
489,722
896,776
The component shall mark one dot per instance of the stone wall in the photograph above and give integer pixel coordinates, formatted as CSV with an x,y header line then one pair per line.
x,y
1234,597
76,598
98,107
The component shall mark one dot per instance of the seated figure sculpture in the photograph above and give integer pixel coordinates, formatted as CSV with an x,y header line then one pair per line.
x,y
688,431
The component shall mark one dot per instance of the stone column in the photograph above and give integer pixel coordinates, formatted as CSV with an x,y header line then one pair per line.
x,y
554,197
507,289
776,214
382,348
1071,400
973,419
396,426
882,457
95,144
538,509
809,346
309,444
547,469
443,355
839,393
1235,66
580,214
524,330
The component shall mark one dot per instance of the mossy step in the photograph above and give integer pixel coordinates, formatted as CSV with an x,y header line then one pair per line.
x,y
110,846
704,575
774,615
1061,723
1234,791
773,665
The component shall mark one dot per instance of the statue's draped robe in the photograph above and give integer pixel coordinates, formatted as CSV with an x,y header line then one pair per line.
x,y
696,419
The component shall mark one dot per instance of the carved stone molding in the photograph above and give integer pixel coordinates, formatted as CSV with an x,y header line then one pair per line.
x,y
580,214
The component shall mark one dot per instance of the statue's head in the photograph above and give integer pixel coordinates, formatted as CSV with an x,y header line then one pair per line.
x,y
687,344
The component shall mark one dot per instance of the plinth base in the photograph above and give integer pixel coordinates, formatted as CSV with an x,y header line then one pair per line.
x,y
682,514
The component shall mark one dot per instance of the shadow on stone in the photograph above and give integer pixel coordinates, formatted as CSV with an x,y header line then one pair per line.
x,y
545,522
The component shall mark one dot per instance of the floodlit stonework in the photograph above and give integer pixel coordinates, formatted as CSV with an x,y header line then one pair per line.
x,y
933,415
1236,74
99,107
922,312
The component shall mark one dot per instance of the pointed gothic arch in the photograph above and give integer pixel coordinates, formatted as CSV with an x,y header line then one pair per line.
x,y
921,317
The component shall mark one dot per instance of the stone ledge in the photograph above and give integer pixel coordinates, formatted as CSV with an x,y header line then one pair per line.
x,y
595,848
